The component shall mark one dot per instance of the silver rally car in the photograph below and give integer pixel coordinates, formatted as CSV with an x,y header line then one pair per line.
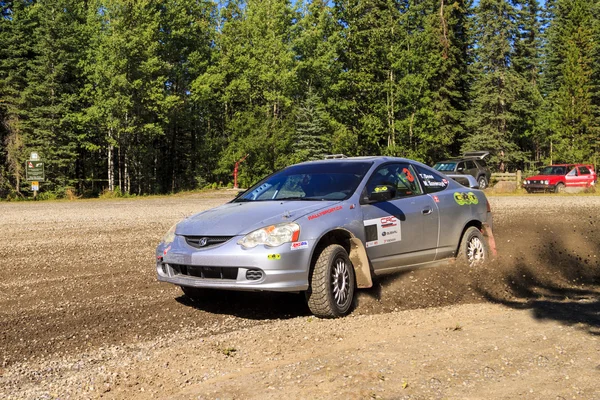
x,y
325,228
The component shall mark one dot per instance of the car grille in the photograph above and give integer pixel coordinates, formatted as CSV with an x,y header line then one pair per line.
x,y
204,242
535,182
224,273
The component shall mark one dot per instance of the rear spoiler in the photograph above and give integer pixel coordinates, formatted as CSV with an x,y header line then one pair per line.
x,y
465,180
480,155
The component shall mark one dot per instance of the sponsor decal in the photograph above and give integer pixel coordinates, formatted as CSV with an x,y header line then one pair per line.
x,y
324,212
382,230
436,199
299,245
380,189
274,256
165,251
464,199
388,222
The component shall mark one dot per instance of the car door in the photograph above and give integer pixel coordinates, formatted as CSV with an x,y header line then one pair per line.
x,y
585,176
403,230
571,178
470,168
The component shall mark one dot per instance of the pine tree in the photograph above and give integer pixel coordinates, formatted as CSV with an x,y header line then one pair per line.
x,y
573,120
492,119
53,84
312,135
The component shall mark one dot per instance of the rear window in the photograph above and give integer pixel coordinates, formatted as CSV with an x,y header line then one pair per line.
x,y
584,171
445,166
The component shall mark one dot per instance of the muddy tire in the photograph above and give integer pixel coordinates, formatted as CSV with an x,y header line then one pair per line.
x,y
473,249
332,284
559,188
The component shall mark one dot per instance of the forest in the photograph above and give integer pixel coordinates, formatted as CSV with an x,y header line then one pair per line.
x,y
142,97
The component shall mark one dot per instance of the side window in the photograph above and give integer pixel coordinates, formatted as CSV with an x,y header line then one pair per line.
x,y
573,172
401,176
461,166
584,171
471,165
432,182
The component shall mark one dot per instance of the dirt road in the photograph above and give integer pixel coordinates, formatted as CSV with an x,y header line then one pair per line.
x,y
82,315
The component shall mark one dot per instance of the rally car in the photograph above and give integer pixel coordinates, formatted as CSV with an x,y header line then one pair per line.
x,y
325,228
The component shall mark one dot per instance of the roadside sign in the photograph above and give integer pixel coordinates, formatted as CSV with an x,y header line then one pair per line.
x,y
34,170
35,186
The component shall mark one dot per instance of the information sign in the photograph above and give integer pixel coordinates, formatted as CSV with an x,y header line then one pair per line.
x,y
34,170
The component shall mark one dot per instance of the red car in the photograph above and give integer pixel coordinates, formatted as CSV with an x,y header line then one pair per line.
x,y
559,176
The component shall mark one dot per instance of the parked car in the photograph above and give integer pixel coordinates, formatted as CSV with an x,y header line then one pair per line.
x,y
471,163
324,227
557,177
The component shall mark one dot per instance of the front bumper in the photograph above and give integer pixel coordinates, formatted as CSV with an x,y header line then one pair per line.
x,y
539,187
228,266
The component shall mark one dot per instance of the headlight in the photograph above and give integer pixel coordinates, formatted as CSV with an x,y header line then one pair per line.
x,y
546,182
272,236
170,235
526,182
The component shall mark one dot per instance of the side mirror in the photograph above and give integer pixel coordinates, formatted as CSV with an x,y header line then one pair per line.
x,y
382,193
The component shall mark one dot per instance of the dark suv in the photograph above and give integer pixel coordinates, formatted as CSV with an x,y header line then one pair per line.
x,y
472,163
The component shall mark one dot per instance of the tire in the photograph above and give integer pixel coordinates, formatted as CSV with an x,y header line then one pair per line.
x,y
559,188
473,249
482,182
332,284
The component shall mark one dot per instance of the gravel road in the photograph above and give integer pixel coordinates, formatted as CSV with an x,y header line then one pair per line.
x,y
82,315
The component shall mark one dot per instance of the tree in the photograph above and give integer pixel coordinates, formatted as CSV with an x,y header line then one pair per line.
x,y
573,119
492,118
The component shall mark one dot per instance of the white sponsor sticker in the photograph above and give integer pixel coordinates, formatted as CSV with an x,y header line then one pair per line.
x,y
299,245
382,230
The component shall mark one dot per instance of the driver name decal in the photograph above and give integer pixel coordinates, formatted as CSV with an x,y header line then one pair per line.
x,y
382,230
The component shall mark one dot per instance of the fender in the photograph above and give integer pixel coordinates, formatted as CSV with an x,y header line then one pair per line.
x,y
360,261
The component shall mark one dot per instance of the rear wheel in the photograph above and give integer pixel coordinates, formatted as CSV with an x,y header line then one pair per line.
x,y
331,292
482,182
559,188
473,248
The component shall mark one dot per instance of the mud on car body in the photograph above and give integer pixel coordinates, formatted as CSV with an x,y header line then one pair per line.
x,y
325,228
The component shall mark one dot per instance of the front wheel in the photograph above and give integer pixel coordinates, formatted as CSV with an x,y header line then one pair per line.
x,y
482,182
559,188
332,283
473,248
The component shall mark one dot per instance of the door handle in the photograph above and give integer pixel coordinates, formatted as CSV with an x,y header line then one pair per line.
x,y
426,211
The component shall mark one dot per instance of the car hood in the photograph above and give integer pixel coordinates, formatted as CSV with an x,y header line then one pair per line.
x,y
233,219
544,177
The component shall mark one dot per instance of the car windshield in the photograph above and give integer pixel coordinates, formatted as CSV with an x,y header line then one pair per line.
x,y
553,170
445,166
311,181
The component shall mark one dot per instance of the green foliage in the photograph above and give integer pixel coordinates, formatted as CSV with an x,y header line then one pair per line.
x,y
156,96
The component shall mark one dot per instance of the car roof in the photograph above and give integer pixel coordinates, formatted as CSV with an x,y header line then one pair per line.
x,y
377,160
